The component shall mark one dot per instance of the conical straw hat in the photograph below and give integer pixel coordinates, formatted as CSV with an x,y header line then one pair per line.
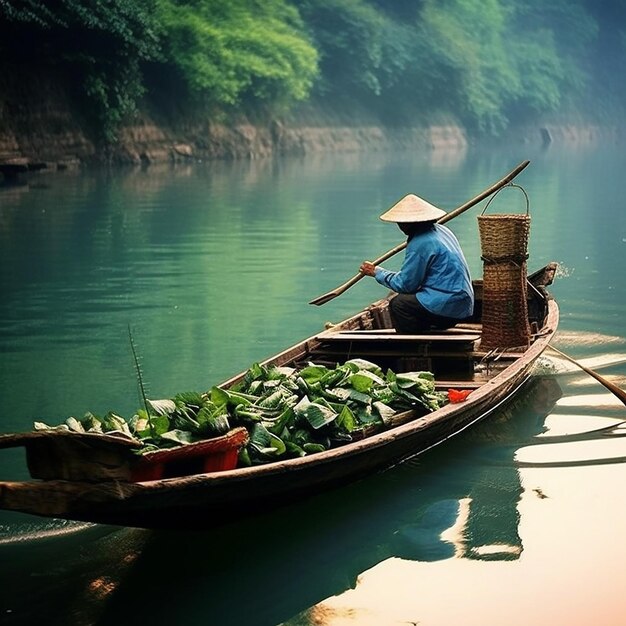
x,y
412,209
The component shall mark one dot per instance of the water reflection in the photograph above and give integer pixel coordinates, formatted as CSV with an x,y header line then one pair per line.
x,y
63,574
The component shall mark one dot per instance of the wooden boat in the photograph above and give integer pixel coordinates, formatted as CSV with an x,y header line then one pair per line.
x,y
96,478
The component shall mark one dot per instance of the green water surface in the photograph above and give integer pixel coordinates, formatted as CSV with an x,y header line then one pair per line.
x,y
212,265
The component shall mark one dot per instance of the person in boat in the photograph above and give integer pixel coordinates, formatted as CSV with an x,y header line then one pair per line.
x,y
434,288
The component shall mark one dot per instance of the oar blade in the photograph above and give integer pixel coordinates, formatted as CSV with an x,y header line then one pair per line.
x,y
327,297
614,389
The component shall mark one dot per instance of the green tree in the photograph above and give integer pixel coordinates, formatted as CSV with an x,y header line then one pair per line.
x,y
608,57
492,61
560,35
355,40
231,52
100,44
470,44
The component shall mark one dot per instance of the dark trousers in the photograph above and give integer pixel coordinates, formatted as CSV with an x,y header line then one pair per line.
x,y
409,317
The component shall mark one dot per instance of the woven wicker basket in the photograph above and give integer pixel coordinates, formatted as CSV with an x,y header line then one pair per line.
x,y
505,310
504,247
504,236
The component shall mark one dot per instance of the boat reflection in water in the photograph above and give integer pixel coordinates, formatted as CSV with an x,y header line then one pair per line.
x,y
460,500
479,519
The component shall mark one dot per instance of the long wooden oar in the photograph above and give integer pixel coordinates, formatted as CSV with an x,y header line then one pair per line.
x,y
327,297
614,389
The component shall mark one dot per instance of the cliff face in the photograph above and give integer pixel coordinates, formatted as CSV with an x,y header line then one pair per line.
x,y
39,128
46,134
148,143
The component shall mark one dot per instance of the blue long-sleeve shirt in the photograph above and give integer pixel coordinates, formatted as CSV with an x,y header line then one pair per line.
x,y
435,270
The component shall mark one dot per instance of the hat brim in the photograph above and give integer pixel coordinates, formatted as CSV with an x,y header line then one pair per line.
x,y
412,209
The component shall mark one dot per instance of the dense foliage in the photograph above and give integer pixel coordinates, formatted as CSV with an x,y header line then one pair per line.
x,y
237,50
489,62
288,412
100,46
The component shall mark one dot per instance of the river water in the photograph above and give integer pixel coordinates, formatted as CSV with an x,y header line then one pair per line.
x,y
212,265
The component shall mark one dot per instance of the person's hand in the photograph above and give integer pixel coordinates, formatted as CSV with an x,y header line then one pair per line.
x,y
367,268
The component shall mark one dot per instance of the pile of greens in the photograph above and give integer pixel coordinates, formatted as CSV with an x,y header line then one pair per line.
x,y
288,412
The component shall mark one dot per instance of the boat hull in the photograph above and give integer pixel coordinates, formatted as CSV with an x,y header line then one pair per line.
x,y
221,496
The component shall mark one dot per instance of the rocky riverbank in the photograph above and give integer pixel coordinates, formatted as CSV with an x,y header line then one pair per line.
x,y
50,138
45,133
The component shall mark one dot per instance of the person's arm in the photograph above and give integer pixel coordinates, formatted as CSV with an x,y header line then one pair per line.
x,y
410,276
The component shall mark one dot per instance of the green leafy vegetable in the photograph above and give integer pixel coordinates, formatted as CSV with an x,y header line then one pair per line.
x,y
289,413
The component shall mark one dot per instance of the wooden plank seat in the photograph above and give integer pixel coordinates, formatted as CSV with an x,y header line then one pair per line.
x,y
442,352
473,329
452,337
